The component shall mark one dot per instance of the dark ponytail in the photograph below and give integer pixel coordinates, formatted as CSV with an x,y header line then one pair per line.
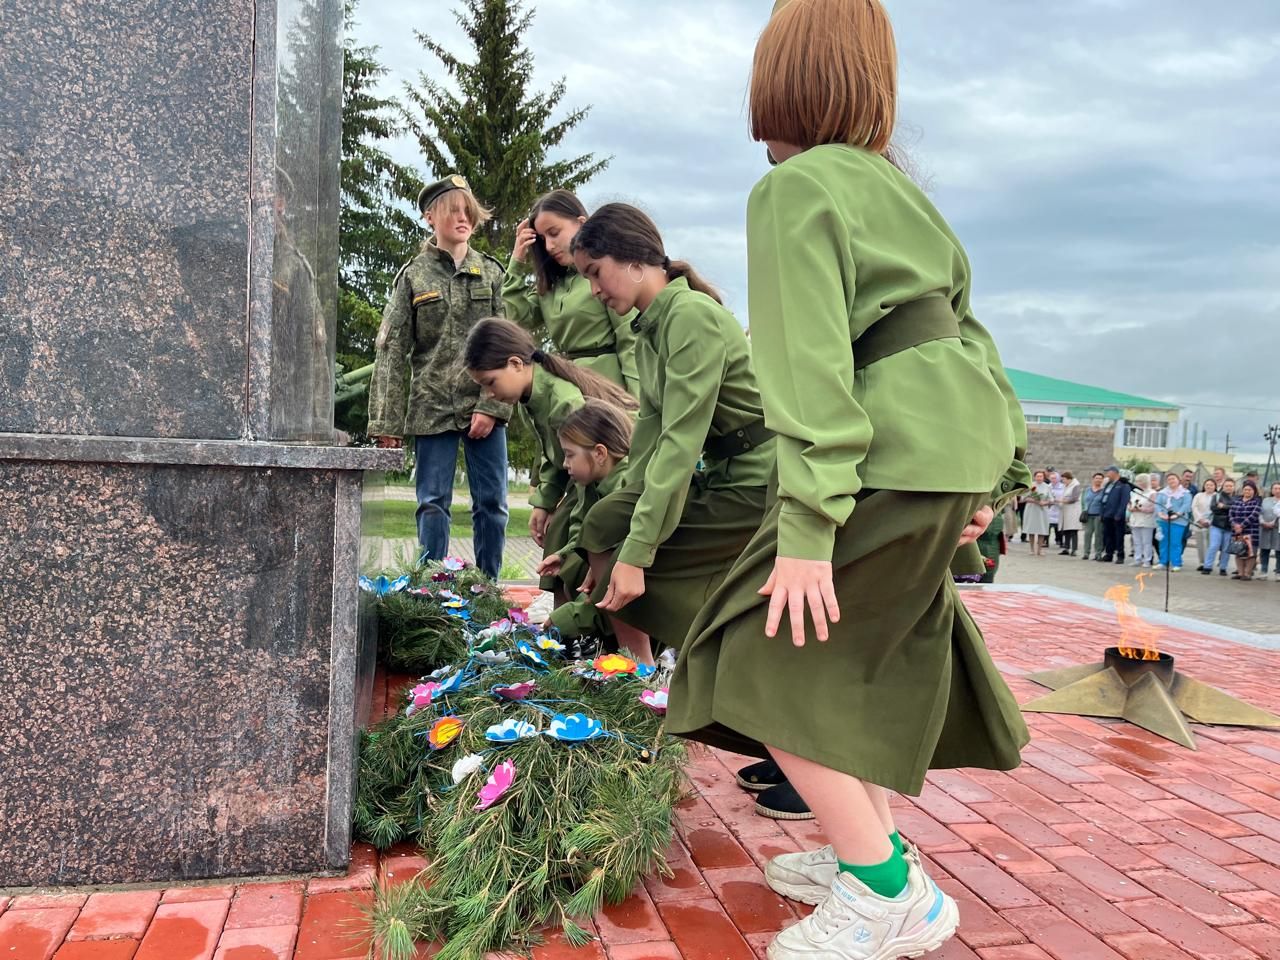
x,y
627,234
562,203
492,342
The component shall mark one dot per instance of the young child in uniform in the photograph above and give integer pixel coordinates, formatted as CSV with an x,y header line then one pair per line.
x,y
661,544
897,434
503,359
583,329
596,439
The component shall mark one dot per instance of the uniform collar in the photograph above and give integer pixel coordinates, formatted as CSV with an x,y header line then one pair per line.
x,y
660,306
470,263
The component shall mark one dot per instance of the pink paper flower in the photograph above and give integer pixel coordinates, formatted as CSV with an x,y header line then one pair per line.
x,y
517,691
518,616
655,700
420,697
499,782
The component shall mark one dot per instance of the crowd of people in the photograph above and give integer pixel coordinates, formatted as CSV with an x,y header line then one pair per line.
x,y
1232,523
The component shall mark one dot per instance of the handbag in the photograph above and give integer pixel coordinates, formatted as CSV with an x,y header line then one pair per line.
x,y
1238,548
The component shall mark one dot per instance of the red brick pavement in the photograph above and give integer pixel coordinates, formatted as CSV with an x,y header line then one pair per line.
x,y
1107,844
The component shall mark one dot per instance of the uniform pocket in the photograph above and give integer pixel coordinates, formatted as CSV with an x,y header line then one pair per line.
x,y
430,309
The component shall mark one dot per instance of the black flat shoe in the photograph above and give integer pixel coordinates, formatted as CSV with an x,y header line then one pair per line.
x,y
760,776
782,803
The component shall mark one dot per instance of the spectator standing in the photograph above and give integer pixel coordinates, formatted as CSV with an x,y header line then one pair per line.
x,y
1220,527
1173,511
1035,518
1070,519
1202,519
1269,529
1054,508
1115,505
1244,526
1091,518
1142,521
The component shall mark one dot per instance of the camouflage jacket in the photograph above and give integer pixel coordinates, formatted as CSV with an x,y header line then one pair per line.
x,y
433,307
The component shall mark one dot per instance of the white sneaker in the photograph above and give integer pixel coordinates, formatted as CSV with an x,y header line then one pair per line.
x,y
807,877
853,923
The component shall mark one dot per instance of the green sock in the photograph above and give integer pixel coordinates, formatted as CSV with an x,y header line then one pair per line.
x,y
896,839
887,879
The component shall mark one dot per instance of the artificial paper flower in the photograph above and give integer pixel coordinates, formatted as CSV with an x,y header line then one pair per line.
x,y
511,730
498,784
614,663
466,766
381,587
454,564
549,644
517,691
443,732
518,616
575,728
530,654
420,697
655,700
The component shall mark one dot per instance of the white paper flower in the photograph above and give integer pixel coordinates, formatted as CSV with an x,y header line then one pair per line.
x,y
466,766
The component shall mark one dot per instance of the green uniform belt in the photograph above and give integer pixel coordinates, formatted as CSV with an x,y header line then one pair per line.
x,y
737,442
589,352
904,327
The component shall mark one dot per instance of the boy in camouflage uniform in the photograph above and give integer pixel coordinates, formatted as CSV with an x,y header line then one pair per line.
x,y
436,299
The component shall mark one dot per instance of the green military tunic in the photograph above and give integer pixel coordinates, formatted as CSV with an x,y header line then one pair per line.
x,y
579,616
684,526
550,401
880,467
434,304
583,328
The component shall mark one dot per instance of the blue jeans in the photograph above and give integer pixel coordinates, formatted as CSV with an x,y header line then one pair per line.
x,y
486,462
1172,542
1219,540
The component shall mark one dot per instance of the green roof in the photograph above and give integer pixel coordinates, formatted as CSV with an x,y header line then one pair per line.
x,y
1035,388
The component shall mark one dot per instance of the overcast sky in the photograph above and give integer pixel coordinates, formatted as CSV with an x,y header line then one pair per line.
x,y
1112,166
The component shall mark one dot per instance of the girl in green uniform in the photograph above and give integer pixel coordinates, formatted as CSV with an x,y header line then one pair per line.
x,y
503,359
559,299
897,434
596,439
659,546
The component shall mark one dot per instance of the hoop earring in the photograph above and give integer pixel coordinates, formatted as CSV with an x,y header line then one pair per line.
x,y
634,278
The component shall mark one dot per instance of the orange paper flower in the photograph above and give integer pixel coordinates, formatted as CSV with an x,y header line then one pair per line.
x,y
443,732
612,664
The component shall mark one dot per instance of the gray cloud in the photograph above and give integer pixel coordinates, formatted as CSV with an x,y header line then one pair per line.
x,y
1111,166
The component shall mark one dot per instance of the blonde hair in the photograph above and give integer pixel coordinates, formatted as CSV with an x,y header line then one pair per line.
x,y
450,202
826,71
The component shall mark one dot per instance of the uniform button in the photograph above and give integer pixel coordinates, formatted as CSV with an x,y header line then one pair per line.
x,y
635,326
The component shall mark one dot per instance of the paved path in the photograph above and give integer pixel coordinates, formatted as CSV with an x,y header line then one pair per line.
x,y
1108,843
1253,605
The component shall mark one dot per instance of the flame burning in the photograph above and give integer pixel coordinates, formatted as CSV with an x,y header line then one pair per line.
x,y
1139,640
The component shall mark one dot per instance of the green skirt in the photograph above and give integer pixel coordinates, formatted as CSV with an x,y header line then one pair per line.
x,y
904,684
556,536
715,525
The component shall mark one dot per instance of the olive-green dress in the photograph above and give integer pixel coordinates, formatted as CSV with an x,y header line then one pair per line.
x,y
549,403
895,423
583,328
698,402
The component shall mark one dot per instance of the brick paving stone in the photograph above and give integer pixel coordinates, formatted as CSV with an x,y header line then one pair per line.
x,y
953,949
1021,826
1056,773
1199,817
635,920
266,905
1196,868
197,893
187,930
1213,849
738,811
1198,901
1264,848
1107,847
48,901
1114,822
1260,823
97,950
927,833
1260,802
1060,936
980,926
1100,877
1263,904
34,934
713,847
360,874
762,849
749,901
4,903
1203,797
943,808
703,931
986,880
333,926
961,788
107,915
685,883
1021,951
655,950
1184,931
1262,938
1127,783
1081,904
997,845
257,943
1145,946
556,947
1262,875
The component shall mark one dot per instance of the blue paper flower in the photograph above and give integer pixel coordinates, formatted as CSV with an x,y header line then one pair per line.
x,y
510,730
644,671
575,728
381,587
530,654
451,685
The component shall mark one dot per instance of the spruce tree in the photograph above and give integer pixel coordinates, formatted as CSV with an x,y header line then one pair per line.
x,y
487,125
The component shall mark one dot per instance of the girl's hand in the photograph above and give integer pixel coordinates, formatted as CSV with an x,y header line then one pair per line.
x,y
550,566
588,583
625,584
792,584
538,521
525,236
977,526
